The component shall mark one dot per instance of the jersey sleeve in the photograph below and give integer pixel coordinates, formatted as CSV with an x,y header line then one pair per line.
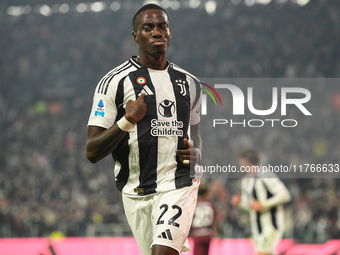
x,y
104,111
280,194
195,95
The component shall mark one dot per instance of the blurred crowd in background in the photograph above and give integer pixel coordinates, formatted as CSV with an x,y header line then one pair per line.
x,y
49,67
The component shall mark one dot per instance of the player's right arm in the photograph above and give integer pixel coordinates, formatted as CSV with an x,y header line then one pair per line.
x,y
100,142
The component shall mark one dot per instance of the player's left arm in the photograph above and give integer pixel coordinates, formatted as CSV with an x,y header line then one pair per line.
x,y
195,118
197,141
192,153
276,187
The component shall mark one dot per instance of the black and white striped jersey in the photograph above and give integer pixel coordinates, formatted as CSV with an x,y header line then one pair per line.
x,y
272,194
145,160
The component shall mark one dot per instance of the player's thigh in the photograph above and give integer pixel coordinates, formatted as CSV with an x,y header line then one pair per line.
x,y
138,214
163,250
173,213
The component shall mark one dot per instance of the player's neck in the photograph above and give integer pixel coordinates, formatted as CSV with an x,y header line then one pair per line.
x,y
149,61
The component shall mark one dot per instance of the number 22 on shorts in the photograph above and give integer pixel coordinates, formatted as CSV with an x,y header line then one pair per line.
x,y
171,221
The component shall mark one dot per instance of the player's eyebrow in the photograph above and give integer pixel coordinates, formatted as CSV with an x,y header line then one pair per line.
x,y
147,24
152,24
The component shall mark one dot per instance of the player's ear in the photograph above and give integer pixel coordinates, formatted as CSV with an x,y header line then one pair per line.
x,y
134,35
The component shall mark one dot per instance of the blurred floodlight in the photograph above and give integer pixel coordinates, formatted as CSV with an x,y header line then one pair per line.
x,y
235,2
14,10
165,4
26,9
115,6
250,2
210,7
302,2
45,10
64,8
151,2
98,6
194,4
81,7
175,5
264,2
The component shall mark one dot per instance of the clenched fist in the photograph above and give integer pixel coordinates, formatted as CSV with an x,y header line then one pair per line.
x,y
135,110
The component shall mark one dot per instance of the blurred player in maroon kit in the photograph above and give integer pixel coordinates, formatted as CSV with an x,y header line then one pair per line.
x,y
204,224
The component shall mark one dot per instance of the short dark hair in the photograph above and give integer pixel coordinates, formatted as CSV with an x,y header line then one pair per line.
x,y
251,154
145,8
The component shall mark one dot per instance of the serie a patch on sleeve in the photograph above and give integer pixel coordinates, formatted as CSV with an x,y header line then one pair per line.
x,y
100,109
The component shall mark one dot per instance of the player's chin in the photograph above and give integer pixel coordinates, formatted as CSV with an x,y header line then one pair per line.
x,y
159,51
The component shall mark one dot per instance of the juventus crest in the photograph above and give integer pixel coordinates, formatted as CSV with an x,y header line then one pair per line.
x,y
182,83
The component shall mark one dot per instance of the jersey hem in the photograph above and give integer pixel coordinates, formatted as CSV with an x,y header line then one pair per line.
x,y
179,186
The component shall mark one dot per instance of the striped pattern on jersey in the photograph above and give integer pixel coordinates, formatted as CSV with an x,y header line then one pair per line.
x,y
258,188
146,161
105,81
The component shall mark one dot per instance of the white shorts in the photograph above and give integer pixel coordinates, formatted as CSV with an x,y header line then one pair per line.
x,y
163,218
266,242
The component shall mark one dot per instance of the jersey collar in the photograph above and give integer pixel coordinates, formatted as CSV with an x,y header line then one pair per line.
x,y
134,61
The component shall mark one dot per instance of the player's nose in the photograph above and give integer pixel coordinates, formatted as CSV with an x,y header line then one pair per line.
x,y
157,32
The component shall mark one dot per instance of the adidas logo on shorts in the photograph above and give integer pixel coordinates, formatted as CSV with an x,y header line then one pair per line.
x,y
166,235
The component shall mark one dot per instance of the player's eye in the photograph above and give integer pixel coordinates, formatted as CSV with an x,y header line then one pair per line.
x,y
147,28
